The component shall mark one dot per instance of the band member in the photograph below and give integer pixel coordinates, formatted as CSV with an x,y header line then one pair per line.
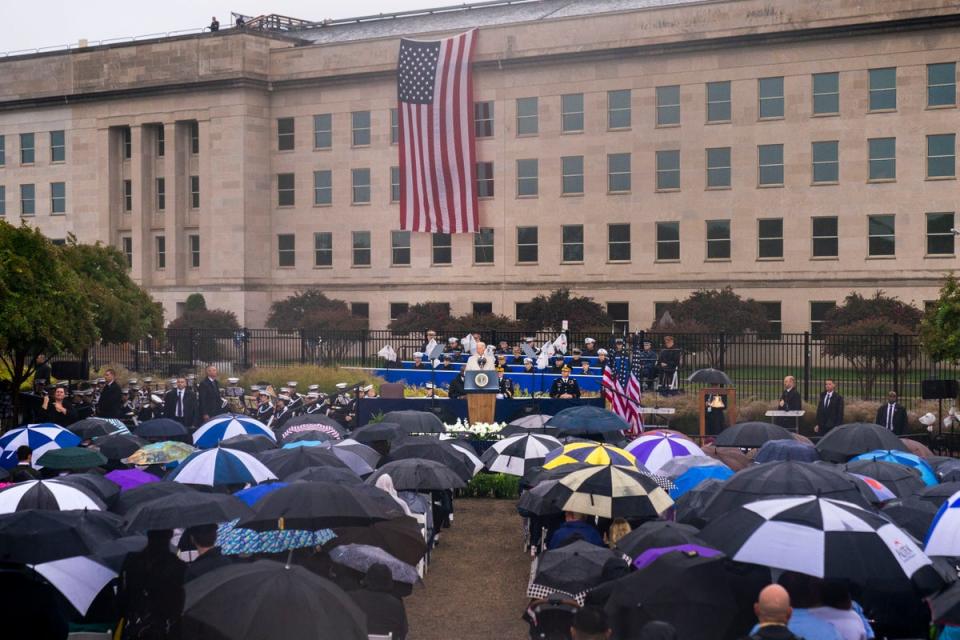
x,y
648,358
589,347
575,359
829,409
418,360
557,366
602,359
506,384
668,364
343,405
619,347
528,365
110,404
892,415
448,364
211,404
453,346
180,404
264,407
565,387
281,412
502,360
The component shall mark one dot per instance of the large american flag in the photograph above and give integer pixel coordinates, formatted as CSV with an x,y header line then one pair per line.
x,y
621,388
437,144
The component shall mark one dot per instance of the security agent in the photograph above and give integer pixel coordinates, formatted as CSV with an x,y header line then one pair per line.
x,y
565,387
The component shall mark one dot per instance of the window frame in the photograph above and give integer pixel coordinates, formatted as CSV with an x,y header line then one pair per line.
x,y
776,325
815,94
286,253
54,198
871,159
31,149
571,244
834,239
195,192
614,175
615,244
711,170
566,113
359,130
326,250
523,117
932,87
662,173
709,103
286,140
769,239
483,119
32,199
952,155
286,190
823,165
357,250
358,189
761,166
318,131
394,184
876,92
890,235
62,146
712,243
193,241
815,323
526,245
481,246
574,175
160,252
928,235
486,187
765,102
443,249
394,126
127,196
662,243
160,193
535,179
397,245
662,107
614,112
320,190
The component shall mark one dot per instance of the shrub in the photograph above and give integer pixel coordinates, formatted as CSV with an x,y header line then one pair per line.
x,y
492,485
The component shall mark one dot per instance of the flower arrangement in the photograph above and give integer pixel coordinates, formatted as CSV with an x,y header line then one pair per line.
x,y
476,430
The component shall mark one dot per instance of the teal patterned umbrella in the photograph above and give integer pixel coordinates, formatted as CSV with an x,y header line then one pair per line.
x,y
234,540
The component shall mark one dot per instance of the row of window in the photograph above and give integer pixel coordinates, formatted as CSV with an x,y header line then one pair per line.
x,y
160,250
28,148
28,199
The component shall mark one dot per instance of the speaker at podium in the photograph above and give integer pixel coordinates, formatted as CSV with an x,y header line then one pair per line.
x,y
481,387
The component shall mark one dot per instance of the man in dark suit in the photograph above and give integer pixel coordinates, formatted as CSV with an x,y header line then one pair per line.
x,y
111,397
180,404
892,415
210,402
829,409
789,401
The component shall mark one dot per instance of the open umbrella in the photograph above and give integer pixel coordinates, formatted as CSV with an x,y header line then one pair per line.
x,y
128,479
586,420
234,540
415,421
183,510
911,514
217,467
367,453
147,492
71,458
39,437
696,476
669,432
571,570
848,440
309,435
752,435
250,443
89,428
119,445
336,475
923,468
647,558
780,450
710,376
400,537
98,485
691,506
273,596
902,481
590,453
531,423
79,579
676,467
36,536
226,426
160,429
944,536
655,534
938,494
312,422
361,557
251,495
379,432
654,451
47,494
877,492
159,453
317,505
733,458
284,462
948,471
415,474
429,448
917,448
613,492
516,454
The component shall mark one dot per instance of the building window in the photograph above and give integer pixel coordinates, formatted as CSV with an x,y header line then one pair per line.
x,y
718,168
360,309
323,187
397,309
571,112
528,181
285,134
194,192
527,245
882,240
394,127
572,175
127,195
770,159
126,137
400,248
3,151
323,249
286,250
940,234
572,243
883,89
770,238
520,309
618,242
322,131
161,252
883,158
3,200
818,315
361,248
195,137
483,119
528,118
28,200
718,101
774,320
826,93
668,170
826,161
771,97
58,146
718,239
58,197
618,109
484,179
668,241
826,238
360,121
27,149
668,105
619,312
126,246
618,172
286,190
483,246
482,308
941,155
194,251
161,193
942,84
360,179
161,141
394,184
442,248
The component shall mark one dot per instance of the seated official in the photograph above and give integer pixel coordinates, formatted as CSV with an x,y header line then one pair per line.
x,y
602,360
565,387
448,364
517,357
557,365
506,385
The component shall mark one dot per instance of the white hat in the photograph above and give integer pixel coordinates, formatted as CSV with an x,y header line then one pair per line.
x,y
233,380
417,354
284,389
313,387
588,340
603,351
429,385
366,388
313,394
528,339
526,360
255,387
292,383
451,340
341,385
284,397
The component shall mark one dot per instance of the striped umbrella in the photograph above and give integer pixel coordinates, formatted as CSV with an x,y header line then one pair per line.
x,y
944,536
39,437
215,467
226,426
927,474
613,492
590,453
654,451
516,454
49,495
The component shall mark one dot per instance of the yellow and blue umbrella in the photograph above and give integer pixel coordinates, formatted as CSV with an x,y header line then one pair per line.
x,y
589,453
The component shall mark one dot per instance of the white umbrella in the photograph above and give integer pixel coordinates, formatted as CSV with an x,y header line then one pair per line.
x,y
79,579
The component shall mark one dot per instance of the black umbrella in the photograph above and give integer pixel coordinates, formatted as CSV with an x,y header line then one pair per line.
x,y
253,601
309,435
36,536
900,479
536,475
103,488
945,606
324,474
318,505
774,450
250,443
400,537
848,440
529,423
586,420
119,445
948,471
912,514
417,474
182,510
938,493
541,500
162,429
428,448
710,376
654,534
112,553
147,492
751,435
690,507
92,427
283,462
570,569
379,431
415,421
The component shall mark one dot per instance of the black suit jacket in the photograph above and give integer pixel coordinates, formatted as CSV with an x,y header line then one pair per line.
x,y
190,411
832,416
210,402
899,418
111,402
791,400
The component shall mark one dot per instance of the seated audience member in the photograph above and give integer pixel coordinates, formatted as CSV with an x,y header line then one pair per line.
x,y
773,613
385,612
575,527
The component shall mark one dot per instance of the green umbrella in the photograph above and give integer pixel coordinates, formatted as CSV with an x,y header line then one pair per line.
x,y
71,458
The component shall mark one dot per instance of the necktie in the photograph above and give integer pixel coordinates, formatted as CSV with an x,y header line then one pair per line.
x,y
826,400
890,417
179,404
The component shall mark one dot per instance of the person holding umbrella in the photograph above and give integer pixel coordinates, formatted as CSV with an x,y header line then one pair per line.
x,y
209,556
385,612
150,595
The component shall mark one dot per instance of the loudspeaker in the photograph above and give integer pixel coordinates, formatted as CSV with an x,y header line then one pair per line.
x,y
938,389
69,370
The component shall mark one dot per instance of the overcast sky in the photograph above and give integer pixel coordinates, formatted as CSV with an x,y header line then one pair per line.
x,y
44,23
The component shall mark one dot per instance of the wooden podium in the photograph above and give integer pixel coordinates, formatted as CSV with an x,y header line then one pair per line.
x,y
481,387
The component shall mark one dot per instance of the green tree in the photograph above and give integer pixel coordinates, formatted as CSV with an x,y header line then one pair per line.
x,y
314,313
201,332
195,302
547,312
940,328
714,311
422,316
485,323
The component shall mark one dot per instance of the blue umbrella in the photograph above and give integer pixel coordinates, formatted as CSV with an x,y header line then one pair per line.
x,y
226,426
695,475
927,474
252,494
163,428
39,437
779,450
586,420
234,540
302,443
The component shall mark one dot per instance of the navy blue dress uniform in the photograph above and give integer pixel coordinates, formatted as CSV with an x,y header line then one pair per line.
x,y
565,386
647,359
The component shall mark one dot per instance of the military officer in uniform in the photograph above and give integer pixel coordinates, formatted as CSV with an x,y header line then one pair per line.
x,y
565,387
528,365
648,358
506,384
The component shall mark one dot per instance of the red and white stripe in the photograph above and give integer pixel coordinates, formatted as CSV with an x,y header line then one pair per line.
x,y
438,149
634,396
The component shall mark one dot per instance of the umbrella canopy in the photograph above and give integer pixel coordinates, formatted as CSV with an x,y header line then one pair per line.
x,y
531,423
945,606
369,455
655,534
309,435
159,453
902,481
119,445
697,475
879,493
415,421
318,505
650,555
147,492
183,510
912,515
752,435
217,467
654,451
541,499
50,495
250,443
676,467
948,471
589,453
89,428
690,508
284,462
324,474
234,540
71,458
848,440
251,495
379,432
39,437
415,474
36,536
733,458
780,450
516,454
586,420
312,422
820,537
128,479
613,492
428,448
709,376
361,557
939,494
226,426
161,429
79,579
468,452
274,596
571,570
927,474
400,537
665,431
784,479
98,485
917,448
944,536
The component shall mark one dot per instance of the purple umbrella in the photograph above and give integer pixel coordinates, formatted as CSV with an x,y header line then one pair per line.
x,y
130,478
648,556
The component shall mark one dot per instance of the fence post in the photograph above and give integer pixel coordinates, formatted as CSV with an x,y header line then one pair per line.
x,y
896,363
363,346
245,337
721,361
191,336
136,355
806,366
303,347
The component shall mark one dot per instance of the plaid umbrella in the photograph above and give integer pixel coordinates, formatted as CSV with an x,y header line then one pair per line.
x,y
654,451
590,453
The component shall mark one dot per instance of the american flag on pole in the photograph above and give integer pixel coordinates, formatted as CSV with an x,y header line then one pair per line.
x,y
621,388
438,160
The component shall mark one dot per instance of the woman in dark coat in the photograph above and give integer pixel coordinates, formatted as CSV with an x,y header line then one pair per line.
x,y
150,595
59,410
